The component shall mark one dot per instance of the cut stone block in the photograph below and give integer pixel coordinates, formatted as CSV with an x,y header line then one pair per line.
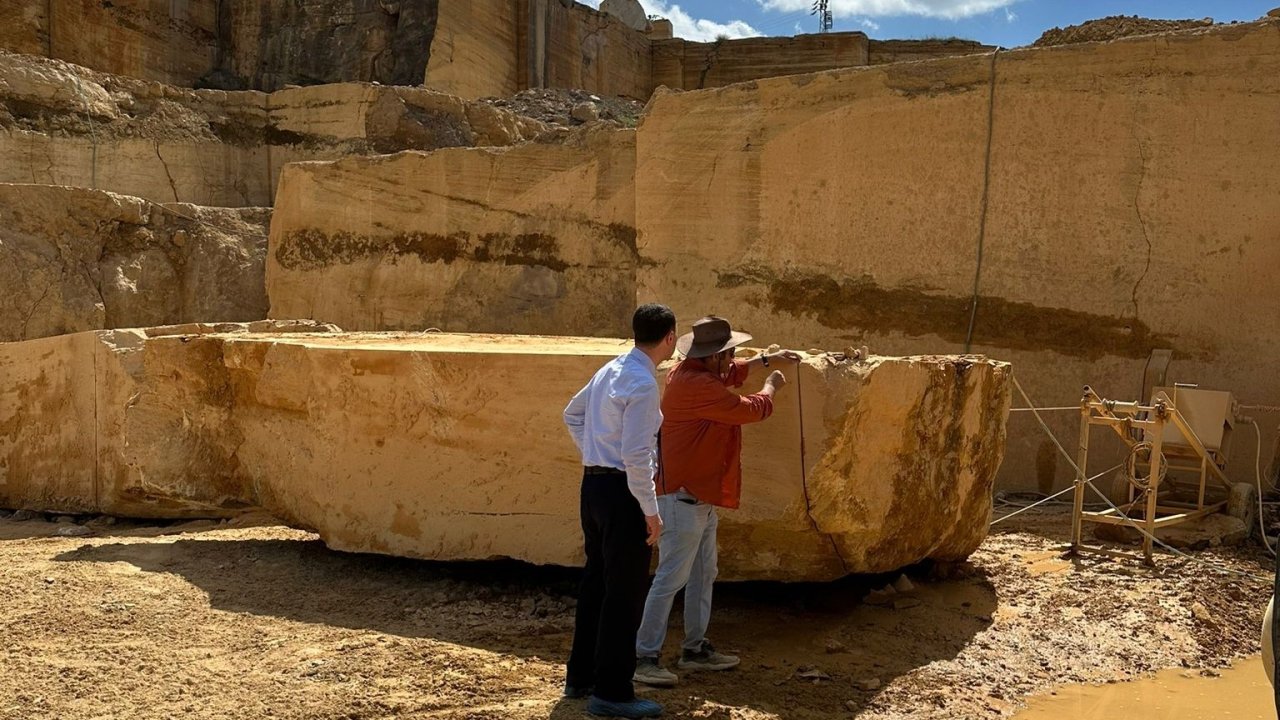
x,y
537,238
451,447
74,259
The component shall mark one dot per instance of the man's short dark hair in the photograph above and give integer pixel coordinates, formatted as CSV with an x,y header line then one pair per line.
x,y
651,323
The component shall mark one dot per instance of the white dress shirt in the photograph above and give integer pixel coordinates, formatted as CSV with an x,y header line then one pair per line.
x,y
614,420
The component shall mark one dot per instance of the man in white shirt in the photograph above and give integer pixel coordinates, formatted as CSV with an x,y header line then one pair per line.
x,y
614,421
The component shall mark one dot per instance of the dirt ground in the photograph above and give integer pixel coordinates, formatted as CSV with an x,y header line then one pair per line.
x,y
241,620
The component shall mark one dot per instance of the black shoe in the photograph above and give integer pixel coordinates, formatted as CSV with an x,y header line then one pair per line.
x,y
573,692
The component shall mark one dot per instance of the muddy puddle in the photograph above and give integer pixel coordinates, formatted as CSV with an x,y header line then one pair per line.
x,y
1240,693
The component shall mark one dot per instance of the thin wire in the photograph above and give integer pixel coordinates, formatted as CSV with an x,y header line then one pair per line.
x,y
93,133
1064,491
1064,408
804,476
982,212
1034,411
1257,469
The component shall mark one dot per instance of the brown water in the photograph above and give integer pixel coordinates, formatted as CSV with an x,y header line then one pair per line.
x,y
1241,693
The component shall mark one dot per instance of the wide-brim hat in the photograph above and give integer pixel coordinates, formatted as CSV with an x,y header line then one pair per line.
x,y
710,335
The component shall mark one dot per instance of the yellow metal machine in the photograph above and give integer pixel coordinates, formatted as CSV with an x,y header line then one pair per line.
x,y
1183,429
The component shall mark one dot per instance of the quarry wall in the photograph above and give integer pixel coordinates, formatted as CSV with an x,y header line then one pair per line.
x,y
468,48
64,125
880,52
687,65
1122,194
537,238
229,44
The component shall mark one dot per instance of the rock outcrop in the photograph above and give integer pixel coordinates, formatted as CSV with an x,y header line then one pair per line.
x,y
538,238
1114,28
270,44
451,446
65,125
687,65
630,12
881,52
73,259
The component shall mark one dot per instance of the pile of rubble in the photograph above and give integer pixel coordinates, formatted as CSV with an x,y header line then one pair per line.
x,y
1113,28
570,107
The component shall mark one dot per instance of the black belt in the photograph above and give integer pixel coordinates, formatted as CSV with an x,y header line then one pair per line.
x,y
600,470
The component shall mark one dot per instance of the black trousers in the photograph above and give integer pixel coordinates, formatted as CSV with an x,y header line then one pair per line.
x,y
614,586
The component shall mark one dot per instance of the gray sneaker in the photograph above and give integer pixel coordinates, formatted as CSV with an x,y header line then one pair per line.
x,y
649,672
706,658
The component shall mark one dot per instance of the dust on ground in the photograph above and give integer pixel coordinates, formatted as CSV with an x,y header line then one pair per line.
x,y
556,106
240,620
1113,28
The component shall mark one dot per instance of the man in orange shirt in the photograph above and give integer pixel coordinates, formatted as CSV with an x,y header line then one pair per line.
x,y
700,468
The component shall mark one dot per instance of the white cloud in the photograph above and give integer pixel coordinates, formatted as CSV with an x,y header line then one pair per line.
x,y
869,24
691,28
1009,15
948,9
687,26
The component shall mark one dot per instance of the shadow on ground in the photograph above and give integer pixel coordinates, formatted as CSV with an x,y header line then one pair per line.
x,y
811,647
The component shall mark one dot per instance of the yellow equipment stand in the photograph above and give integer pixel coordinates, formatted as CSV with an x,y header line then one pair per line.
x,y
1144,498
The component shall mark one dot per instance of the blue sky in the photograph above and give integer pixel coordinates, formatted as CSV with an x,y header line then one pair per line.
x,y
996,22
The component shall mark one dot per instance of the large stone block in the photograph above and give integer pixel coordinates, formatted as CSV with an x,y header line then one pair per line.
x,y
536,239
105,422
452,447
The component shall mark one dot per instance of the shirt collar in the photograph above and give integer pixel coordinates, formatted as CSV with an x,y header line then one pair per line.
x,y
639,354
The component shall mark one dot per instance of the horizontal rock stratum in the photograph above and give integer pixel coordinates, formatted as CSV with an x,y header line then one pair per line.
x,y
451,447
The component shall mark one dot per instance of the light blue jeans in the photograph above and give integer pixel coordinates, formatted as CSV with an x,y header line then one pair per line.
x,y
686,559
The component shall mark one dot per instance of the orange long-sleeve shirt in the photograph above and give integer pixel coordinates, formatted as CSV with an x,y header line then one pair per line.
x,y
701,437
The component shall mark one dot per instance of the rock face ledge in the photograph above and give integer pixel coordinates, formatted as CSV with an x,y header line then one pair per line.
x,y
74,259
451,447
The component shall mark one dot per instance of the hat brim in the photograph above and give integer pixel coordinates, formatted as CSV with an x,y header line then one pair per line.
x,y
690,349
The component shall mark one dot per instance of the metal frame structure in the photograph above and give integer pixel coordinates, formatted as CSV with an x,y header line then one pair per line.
x,y
1131,421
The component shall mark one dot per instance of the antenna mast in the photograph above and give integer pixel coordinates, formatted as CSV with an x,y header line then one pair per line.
x,y
823,11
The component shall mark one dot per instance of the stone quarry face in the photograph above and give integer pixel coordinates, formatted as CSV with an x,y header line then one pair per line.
x,y
66,125
76,259
538,238
1119,213
451,447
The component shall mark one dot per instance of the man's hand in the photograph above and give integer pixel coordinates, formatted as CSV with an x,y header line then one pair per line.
x,y
790,356
654,525
775,382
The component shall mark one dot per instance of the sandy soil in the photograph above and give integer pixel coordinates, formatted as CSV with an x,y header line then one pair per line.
x,y
235,620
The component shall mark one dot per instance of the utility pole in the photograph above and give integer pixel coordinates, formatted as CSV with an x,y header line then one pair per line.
x,y
821,9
